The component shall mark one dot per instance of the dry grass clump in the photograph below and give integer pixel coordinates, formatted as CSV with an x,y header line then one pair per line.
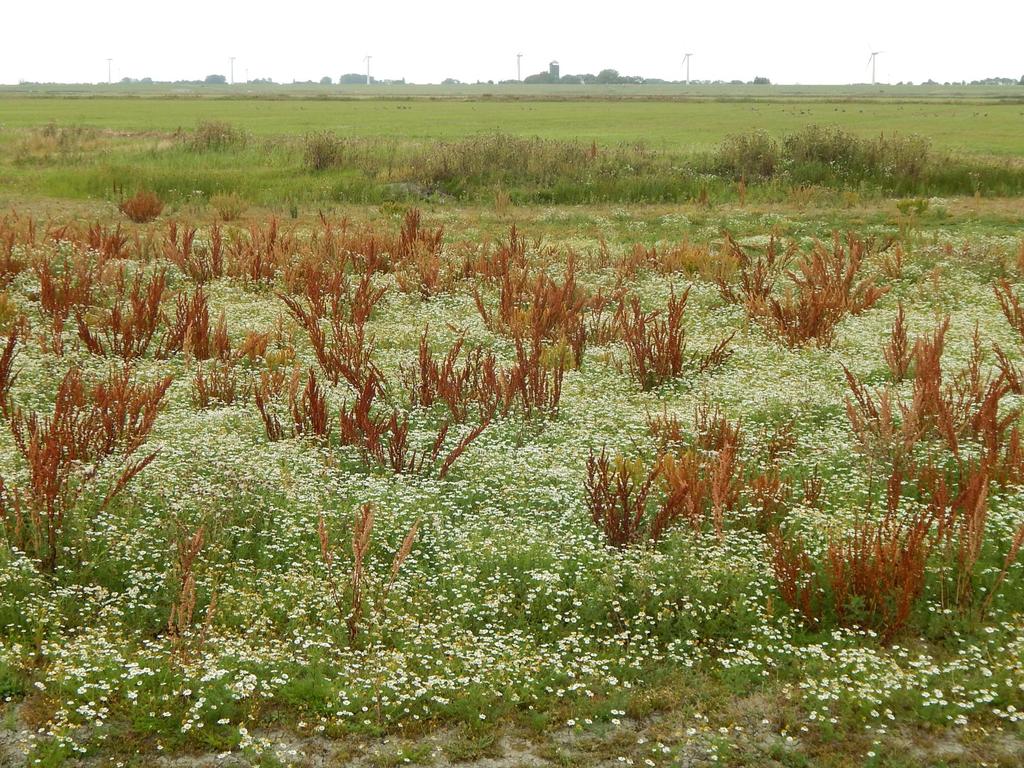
x,y
964,406
460,387
65,286
655,346
384,439
826,288
1010,304
188,547
378,430
491,264
756,276
873,575
258,254
228,205
532,305
180,619
14,233
344,350
108,242
617,491
217,383
346,353
142,207
189,332
898,352
532,384
333,310
7,358
686,257
418,258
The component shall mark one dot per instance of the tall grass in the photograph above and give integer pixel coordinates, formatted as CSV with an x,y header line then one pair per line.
x,y
219,159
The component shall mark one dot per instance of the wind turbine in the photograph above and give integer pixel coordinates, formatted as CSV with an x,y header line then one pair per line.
x,y
686,63
519,67
367,60
232,69
109,81
871,62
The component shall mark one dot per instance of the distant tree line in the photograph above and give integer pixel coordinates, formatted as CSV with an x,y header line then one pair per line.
x,y
986,81
604,77
352,78
612,77
359,78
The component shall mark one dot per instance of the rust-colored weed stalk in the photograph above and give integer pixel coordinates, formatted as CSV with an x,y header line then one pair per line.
x,y
349,596
63,453
307,412
217,383
202,262
127,328
142,207
459,387
871,578
824,287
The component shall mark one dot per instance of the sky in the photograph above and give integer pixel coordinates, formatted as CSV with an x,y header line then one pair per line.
x,y
789,41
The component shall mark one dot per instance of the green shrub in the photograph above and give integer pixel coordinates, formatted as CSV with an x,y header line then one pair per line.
x,y
821,154
903,158
752,155
827,145
915,206
322,150
216,136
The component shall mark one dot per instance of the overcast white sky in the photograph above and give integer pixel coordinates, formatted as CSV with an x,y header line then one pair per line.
x,y
790,41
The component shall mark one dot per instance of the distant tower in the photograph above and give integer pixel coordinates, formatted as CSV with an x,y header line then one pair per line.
x,y
553,70
871,62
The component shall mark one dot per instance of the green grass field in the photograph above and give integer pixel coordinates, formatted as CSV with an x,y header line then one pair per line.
x,y
984,127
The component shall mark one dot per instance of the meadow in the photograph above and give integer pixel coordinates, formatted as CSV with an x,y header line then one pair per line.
x,y
985,123
718,463
287,152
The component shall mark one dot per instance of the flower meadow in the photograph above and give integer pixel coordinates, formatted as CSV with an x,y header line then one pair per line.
x,y
414,489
